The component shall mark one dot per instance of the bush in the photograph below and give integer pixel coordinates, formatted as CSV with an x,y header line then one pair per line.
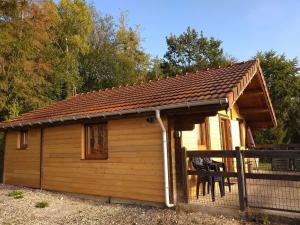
x,y
16,194
41,204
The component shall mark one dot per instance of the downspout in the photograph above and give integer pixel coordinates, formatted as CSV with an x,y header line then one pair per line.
x,y
3,158
165,155
41,157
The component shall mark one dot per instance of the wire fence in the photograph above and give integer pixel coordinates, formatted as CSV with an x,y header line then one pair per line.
x,y
268,179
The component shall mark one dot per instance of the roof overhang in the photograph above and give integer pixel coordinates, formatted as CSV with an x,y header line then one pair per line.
x,y
252,98
220,102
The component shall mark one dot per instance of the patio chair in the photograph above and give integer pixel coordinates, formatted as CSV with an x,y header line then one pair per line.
x,y
204,164
222,165
198,164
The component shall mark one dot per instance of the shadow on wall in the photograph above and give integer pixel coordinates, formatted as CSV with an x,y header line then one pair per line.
x,y
1,155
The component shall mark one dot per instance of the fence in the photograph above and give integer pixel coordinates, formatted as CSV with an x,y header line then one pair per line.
x,y
268,179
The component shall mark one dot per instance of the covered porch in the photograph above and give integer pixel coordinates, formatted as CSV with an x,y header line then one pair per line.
x,y
221,128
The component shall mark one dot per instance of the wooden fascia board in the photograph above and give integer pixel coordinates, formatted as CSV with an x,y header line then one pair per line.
x,y
239,88
266,94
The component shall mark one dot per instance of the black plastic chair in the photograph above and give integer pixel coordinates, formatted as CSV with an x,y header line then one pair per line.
x,y
199,165
222,165
205,164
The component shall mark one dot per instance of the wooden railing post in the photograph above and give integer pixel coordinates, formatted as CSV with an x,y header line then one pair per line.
x,y
184,176
245,180
241,180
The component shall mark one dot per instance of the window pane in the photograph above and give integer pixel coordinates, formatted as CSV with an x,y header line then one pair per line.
x,y
23,139
202,134
96,146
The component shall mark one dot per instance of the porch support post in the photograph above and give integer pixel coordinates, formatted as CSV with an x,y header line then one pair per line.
x,y
241,181
185,183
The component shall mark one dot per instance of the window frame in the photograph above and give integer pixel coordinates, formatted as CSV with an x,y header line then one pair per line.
x,y
23,139
204,134
87,150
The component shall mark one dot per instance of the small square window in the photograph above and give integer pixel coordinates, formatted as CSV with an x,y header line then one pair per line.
x,y
96,141
23,139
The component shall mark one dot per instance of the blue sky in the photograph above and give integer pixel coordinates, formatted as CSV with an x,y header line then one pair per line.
x,y
244,26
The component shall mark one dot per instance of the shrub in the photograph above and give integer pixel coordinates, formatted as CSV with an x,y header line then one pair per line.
x,y
41,204
16,194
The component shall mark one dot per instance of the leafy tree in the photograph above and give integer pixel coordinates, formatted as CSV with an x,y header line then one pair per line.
x,y
115,56
133,62
72,32
155,70
98,66
24,65
283,81
191,51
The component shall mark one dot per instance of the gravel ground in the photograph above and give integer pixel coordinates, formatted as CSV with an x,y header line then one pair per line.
x,y
70,209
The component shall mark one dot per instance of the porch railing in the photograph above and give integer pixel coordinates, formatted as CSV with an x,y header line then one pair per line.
x,y
254,180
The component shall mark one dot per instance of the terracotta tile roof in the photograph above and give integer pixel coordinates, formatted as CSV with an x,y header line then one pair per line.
x,y
204,85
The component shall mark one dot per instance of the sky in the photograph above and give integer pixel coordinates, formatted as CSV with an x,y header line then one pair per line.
x,y
244,27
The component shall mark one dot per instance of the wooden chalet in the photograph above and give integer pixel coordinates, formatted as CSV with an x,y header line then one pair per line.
x,y
124,142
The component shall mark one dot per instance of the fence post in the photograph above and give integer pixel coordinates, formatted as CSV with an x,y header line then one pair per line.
x,y
245,181
241,180
184,176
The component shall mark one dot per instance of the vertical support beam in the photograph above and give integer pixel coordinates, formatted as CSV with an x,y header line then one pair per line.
x,y
185,184
41,157
241,180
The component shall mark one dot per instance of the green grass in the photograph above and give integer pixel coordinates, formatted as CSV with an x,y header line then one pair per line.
x,y
264,166
41,204
16,194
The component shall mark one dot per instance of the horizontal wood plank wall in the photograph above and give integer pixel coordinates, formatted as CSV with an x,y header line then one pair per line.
x,y
134,169
215,134
190,138
22,167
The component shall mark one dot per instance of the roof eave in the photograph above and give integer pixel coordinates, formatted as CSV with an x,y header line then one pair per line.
x,y
218,101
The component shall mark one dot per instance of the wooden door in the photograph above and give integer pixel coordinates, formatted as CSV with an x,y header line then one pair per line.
x,y
226,142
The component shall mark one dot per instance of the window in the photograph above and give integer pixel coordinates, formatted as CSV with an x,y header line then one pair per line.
x,y
202,134
23,139
203,141
96,141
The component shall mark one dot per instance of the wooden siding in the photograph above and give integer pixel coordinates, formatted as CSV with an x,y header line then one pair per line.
x,y
134,169
215,135
22,167
190,138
